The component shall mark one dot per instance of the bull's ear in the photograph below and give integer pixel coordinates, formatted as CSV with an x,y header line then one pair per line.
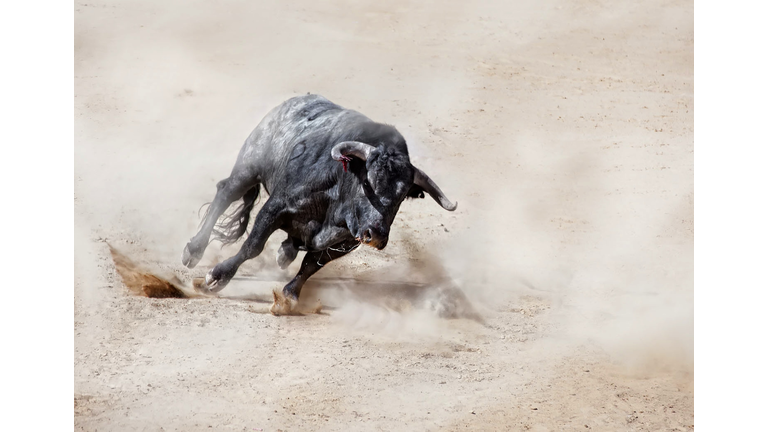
x,y
422,180
415,192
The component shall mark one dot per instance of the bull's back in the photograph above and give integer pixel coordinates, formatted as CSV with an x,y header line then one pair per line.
x,y
297,122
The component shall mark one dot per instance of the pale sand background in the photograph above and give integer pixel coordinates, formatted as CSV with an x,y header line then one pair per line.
x,y
563,129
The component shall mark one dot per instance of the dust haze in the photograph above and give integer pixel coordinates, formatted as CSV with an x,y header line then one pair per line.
x,y
563,282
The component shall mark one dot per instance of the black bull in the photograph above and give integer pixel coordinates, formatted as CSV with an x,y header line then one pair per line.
x,y
335,179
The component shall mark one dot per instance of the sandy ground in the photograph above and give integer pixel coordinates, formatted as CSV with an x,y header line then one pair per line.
x,y
563,129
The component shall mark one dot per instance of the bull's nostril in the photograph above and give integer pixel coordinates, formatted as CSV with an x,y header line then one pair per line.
x,y
367,236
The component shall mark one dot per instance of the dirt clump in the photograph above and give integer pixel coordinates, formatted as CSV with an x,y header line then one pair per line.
x,y
141,282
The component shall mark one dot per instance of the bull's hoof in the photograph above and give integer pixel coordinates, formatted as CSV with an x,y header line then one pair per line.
x,y
190,259
200,286
285,255
283,305
213,285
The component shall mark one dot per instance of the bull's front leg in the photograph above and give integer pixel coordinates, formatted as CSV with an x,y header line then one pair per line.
x,y
267,221
286,301
329,237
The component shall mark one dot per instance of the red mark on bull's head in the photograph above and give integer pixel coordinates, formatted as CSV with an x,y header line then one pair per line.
x,y
344,161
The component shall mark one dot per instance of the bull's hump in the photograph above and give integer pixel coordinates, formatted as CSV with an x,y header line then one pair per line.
x,y
308,108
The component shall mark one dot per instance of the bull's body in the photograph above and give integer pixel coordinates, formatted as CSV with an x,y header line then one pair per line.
x,y
326,207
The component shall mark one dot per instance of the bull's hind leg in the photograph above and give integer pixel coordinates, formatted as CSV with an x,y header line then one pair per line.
x,y
267,221
285,304
238,185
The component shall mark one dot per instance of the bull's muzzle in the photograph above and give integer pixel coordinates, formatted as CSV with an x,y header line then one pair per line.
x,y
372,237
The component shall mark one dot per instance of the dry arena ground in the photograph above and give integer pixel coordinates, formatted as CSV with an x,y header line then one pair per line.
x,y
559,296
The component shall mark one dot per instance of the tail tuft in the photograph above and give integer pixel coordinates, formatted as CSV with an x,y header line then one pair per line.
x,y
232,226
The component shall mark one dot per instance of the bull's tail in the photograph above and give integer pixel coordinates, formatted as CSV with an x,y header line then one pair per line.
x,y
232,225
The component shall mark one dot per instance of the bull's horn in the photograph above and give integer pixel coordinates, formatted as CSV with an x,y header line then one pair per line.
x,y
422,180
351,148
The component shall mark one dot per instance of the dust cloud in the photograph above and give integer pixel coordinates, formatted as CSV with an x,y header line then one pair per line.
x,y
173,137
609,292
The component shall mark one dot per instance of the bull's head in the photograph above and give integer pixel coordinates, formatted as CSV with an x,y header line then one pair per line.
x,y
386,177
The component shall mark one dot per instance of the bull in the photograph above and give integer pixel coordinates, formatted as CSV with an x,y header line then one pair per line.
x,y
335,180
